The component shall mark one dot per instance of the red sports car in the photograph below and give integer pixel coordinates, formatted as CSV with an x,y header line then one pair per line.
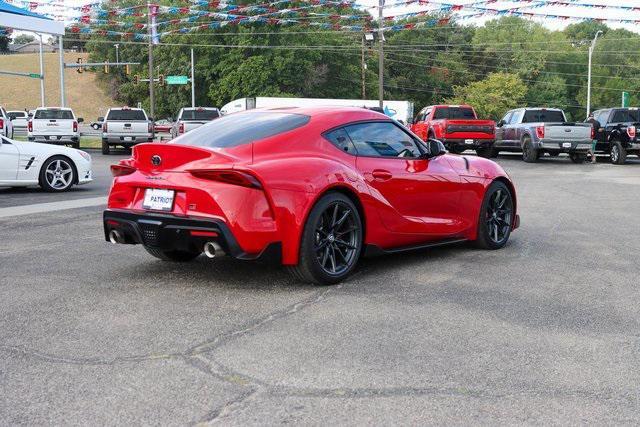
x,y
314,187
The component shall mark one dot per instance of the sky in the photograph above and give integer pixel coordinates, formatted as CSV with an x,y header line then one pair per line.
x,y
469,16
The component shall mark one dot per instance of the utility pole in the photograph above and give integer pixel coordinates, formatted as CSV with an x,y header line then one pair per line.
x,y
61,54
364,69
151,88
591,49
42,99
381,54
193,82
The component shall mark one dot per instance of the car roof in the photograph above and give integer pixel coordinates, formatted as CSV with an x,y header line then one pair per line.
x,y
54,108
334,113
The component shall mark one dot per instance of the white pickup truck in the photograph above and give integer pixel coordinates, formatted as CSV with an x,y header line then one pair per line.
x,y
19,119
126,127
6,127
190,118
54,126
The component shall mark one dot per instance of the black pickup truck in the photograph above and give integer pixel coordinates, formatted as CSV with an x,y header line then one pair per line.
x,y
617,134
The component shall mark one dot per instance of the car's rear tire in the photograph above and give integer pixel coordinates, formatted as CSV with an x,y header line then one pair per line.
x,y
487,152
530,154
105,147
618,153
456,150
57,174
496,217
578,158
331,242
174,256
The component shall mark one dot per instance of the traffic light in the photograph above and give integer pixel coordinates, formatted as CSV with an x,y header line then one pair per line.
x,y
127,69
161,79
136,79
80,70
106,68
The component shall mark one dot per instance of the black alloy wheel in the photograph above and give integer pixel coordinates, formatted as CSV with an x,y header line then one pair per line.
x,y
618,153
496,217
331,242
529,153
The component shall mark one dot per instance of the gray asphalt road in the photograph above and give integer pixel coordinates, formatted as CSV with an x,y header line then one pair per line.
x,y
543,331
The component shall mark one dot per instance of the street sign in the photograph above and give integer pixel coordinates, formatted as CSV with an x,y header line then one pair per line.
x,y
35,76
177,80
625,99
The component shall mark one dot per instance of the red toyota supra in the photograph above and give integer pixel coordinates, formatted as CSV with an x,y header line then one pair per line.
x,y
315,188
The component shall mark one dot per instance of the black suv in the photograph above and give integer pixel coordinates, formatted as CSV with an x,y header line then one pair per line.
x,y
617,134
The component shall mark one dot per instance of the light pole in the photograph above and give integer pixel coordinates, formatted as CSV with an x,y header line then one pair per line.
x,y
381,53
117,46
591,48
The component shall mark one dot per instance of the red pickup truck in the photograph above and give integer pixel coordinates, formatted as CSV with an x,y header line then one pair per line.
x,y
458,127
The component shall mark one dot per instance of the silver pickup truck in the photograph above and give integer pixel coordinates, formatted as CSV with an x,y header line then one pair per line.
x,y
126,127
535,131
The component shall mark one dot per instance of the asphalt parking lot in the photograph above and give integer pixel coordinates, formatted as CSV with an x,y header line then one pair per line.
x,y
544,331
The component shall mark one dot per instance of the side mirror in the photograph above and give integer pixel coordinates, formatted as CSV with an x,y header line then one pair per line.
x,y
101,119
151,119
500,123
80,120
436,148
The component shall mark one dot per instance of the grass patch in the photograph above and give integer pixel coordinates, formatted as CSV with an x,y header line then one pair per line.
x,y
85,141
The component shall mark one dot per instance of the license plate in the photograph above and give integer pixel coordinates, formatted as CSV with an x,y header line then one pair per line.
x,y
468,141
158,200
566,145
127,138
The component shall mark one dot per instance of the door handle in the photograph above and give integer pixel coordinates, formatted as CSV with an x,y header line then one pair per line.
x,y
381,174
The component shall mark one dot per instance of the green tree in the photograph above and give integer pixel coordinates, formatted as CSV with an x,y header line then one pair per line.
x,y
23,39
493,96
4,44
548,91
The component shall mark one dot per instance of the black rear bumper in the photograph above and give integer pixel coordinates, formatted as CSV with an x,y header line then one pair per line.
x,y
168,233
457,144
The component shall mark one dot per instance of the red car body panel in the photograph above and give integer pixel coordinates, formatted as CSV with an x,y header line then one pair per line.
x,y
403,202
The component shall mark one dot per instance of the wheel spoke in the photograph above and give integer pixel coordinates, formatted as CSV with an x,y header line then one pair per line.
x,y
335,217
343,243
332,257
325,256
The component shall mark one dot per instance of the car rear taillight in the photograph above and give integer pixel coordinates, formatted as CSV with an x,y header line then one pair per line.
x,y
121,170
631,131
242,179
181,128
30,126
150,128
104,128
1,123
540,132
75,127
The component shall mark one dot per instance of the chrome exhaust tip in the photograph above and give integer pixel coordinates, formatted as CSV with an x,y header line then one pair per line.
x,y
212,250
116,237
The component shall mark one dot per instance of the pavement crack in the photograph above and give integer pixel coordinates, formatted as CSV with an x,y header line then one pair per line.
x,y
227,409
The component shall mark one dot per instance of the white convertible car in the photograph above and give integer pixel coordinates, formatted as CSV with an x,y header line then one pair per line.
x,y
52,167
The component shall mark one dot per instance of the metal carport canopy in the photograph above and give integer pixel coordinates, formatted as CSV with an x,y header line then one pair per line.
x,y
25,20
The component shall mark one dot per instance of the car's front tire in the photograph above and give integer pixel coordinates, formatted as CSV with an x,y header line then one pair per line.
x,y
496,217
618,153
331,242
487,152
174,256
57,174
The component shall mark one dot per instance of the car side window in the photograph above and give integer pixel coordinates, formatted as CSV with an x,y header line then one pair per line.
x,y
382,139
507,118
340,139
516,117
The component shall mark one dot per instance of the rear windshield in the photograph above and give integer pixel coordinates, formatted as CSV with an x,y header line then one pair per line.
x,y
16,114
242,128
453,113
54,114
622,116
200,114
126,115
543,116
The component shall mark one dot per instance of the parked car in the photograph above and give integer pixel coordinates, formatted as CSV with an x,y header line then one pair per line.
x,y
54,126
6,127
97,125
126,127
189,119
535,131
457,126
618,133
19,120
314,187
54,168
163,126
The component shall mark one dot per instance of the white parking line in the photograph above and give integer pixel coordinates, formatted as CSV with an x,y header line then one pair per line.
x,y
52,206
